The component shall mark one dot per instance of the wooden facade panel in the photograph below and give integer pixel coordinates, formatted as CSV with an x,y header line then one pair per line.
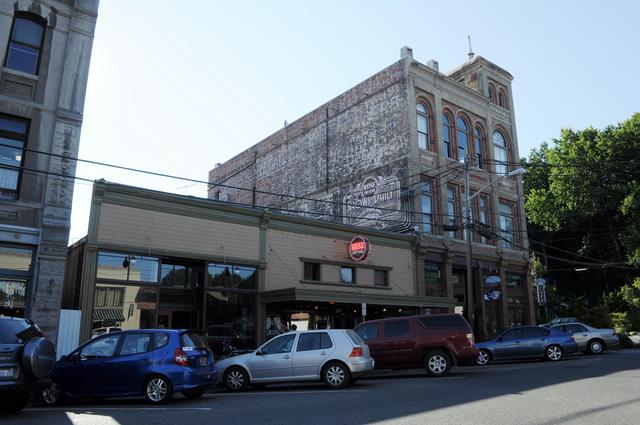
x,y
121,225
285,269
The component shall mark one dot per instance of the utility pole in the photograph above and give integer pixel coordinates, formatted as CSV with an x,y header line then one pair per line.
x,y
467,236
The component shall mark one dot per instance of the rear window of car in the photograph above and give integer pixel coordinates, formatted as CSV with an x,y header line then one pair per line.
x,y
161,340
314,341
193,339
368,331
9,329
355,337
445,321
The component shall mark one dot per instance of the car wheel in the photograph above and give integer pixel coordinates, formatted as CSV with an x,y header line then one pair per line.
x,y
158,390
336,375
595,346
437,363
14,403
236,379
553,353
194,393
483,358
53,394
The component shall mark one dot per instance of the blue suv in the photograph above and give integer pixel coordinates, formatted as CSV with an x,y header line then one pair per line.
x,y
154,363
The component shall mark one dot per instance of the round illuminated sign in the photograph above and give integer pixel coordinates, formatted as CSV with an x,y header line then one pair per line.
x,y
358,248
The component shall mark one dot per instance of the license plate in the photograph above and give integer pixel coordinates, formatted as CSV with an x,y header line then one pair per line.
x,y
7,372
203,361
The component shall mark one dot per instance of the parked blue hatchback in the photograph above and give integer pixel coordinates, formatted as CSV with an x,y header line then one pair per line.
x,y
526,342
154,363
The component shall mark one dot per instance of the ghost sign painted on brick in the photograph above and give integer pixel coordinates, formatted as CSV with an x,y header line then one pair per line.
x,y
372,201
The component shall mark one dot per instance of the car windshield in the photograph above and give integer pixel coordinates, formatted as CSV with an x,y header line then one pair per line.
x,y
9,330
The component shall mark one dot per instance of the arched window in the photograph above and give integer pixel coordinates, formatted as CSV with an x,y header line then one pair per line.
x,y
492,93
461,137
501,101
500,150
423,125
477,141
446,134
25,43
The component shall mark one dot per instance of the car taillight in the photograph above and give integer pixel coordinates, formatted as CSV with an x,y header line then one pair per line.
x,y
357,352
470,338
180,357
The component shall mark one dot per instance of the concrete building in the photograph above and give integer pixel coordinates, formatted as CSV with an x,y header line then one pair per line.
x,y
153,259
45,47
387,154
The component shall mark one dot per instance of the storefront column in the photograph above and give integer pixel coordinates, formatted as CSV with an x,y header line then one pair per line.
x,y
504,302
448,276
261,315
531,306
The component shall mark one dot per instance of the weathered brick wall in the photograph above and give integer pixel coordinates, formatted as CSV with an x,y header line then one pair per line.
x,y
364,131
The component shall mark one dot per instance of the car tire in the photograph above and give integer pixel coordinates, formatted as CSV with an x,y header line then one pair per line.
x,y
14,403
595,346
553,353
336,375
236,379
158,389
484,357
194,393
437,363
53,395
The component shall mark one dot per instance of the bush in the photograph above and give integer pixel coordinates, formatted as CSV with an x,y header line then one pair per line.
x,y
621,322
597,317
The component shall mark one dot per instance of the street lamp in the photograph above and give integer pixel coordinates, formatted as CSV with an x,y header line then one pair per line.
x,y
467,227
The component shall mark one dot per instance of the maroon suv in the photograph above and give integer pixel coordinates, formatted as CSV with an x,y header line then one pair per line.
x,y
435,342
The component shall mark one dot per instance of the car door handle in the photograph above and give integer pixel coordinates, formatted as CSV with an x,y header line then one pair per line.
x,y
287,357
322,353
144,359
585,335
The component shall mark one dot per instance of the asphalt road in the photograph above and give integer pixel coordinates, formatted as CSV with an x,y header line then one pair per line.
x,y
578,390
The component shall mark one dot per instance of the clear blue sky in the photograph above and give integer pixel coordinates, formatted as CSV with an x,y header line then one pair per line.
x,y
177,86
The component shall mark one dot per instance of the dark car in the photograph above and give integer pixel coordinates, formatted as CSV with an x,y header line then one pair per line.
x,y
154,363
435,342
26,361
526,342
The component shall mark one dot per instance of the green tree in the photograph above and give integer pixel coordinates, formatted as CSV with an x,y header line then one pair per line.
x,y
583,208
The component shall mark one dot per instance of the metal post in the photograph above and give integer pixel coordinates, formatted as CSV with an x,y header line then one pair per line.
x,y
467,230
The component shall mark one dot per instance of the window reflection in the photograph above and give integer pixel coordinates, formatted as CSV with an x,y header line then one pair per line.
x,y
124,306
231,317
12,297
232,276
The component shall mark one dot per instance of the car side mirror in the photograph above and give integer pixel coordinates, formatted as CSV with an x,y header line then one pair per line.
x,y
259,353
499,339
63,358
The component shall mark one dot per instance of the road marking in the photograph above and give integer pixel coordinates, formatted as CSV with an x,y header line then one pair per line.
x,y
86,409
400,378
301,392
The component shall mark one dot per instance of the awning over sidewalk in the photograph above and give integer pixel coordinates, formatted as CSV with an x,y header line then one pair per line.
x,y
103,314
311,295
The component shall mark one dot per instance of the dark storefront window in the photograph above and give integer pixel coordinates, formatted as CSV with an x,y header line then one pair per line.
x,y
12,297
119,266
312,271
381,277
433,280
124,307
226,276
231,316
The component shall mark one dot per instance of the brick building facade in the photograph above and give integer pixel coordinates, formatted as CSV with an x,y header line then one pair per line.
x,y
387,154
45,47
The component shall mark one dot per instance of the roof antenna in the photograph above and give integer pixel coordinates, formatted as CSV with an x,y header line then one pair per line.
x,y
470,54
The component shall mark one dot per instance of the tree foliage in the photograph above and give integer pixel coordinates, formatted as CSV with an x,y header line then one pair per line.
x,y
583,207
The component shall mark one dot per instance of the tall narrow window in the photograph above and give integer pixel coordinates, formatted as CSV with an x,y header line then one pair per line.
x,y
492,93
426,191
507,228
25,43
477,139
13,136
452,212
423,126
480,217
500,150
446,134
461,137
502,102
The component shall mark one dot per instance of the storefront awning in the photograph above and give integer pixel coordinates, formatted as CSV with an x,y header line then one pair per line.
x,y
310,295
101,314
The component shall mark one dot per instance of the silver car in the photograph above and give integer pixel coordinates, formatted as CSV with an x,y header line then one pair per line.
x,y
589,339
335,356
